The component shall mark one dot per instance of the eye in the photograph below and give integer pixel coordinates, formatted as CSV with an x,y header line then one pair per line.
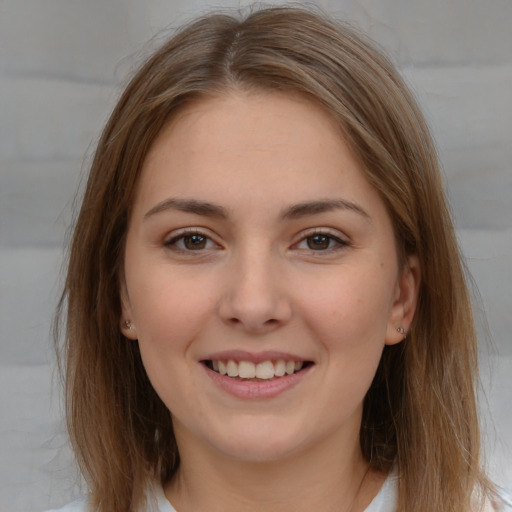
x,y
191,241
321,242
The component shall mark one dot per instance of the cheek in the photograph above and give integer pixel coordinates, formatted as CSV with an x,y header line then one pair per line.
x,y
351,310
168,308
169,318
353,338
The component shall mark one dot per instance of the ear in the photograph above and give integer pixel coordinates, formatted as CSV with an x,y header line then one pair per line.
x,y
404,302
126,321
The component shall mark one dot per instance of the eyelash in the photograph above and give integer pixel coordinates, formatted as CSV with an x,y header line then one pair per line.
x,y
327,236
204,240
189,234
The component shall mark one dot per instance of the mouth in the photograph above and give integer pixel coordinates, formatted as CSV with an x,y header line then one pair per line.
x,y
256,372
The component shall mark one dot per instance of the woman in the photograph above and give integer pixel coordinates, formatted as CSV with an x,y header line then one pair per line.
x,y
266,306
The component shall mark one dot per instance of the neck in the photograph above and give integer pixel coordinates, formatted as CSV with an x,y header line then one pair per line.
x,y
327,478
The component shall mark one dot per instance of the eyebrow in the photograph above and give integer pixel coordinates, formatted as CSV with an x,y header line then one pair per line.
x,y
327,205
189,206
296,211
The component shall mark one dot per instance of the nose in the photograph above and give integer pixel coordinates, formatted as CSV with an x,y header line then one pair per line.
x,y
255,297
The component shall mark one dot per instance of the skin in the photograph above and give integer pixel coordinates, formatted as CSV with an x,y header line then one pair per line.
x,y
259,281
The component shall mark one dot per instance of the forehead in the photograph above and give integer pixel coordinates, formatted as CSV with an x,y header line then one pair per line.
x,y
241,131
257,116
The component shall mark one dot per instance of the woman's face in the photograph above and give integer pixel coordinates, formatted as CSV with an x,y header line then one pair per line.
x,y
257,247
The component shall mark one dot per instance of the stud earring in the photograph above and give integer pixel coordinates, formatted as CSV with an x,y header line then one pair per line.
x,y
128,324
401,330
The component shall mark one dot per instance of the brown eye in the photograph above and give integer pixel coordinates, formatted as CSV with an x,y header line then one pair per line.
x,y
319,242
195,242
188,242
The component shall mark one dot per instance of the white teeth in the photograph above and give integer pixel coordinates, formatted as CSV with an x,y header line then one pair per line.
x,y
264,370
232,369
280,368
246,370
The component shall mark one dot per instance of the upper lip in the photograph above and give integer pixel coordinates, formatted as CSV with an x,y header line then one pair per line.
x,y
242,355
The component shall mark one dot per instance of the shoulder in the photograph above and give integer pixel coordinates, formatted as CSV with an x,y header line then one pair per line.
x,y
502,502
496,499
76,506
157,502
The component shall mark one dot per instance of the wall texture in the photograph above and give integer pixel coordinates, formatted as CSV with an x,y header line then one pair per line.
x,y
62,63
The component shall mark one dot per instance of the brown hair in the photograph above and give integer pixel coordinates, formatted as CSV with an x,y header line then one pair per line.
x,y
420,412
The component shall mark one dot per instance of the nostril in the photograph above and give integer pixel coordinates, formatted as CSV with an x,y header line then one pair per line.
x,y
271,322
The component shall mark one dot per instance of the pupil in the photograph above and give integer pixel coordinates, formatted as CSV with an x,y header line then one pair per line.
x,y
318,242
195,242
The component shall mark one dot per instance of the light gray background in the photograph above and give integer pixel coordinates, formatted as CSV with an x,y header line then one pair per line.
x,y
62,63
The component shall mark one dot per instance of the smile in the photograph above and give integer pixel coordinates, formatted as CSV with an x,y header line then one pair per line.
x,y
264,370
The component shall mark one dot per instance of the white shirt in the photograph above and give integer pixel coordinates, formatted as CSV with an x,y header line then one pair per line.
x,y
385,501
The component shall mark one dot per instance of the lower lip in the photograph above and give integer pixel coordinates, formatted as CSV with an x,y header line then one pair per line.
x,y
257,389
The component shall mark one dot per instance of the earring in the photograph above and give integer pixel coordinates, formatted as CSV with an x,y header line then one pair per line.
x,y
401,330
128,324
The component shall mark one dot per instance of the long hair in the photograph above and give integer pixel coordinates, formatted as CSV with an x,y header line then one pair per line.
x,y
420,412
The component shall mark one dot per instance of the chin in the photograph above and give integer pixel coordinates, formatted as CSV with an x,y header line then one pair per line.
x,y
261,442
